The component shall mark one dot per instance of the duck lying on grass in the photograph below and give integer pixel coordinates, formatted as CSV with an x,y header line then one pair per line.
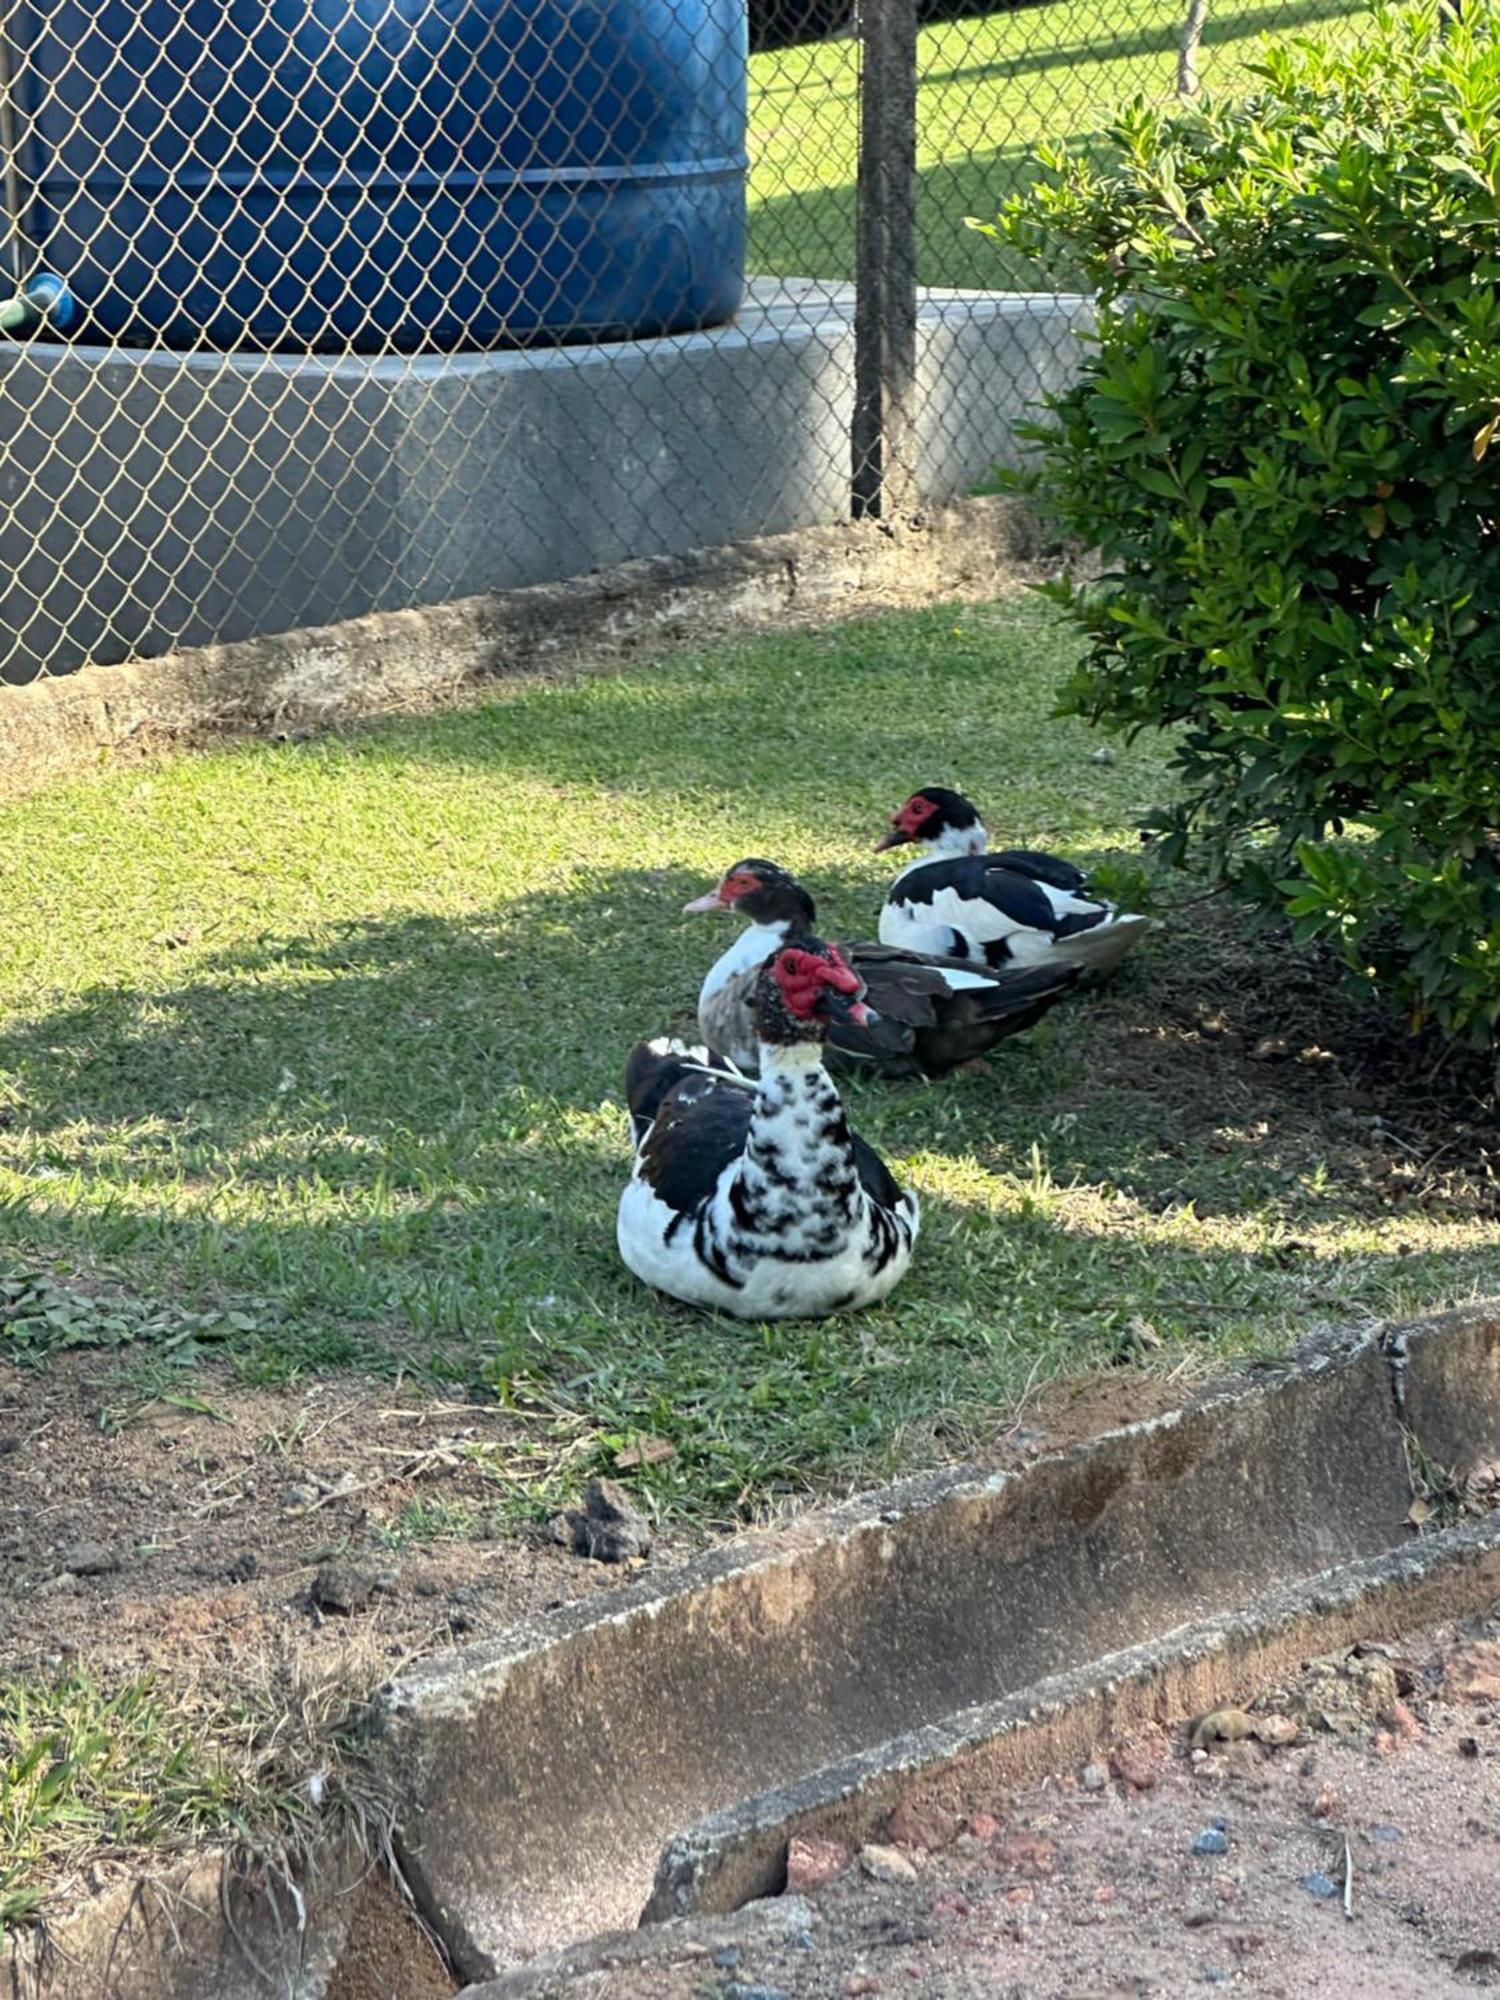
x,y
932,1013
1011,907
757,1198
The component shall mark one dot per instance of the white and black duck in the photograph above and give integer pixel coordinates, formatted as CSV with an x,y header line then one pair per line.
x,y
1008,907
931,1013
756,1198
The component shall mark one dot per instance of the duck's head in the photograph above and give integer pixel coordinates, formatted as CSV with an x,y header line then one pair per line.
x,y
763,893
941,821
803,989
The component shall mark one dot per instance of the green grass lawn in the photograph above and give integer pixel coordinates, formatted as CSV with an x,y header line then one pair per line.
x,y
327,1038
991,88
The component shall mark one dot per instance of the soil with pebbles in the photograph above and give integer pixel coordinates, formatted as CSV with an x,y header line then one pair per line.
x,y
190,1538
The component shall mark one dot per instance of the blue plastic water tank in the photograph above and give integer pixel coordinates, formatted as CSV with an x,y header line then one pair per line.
x,y
387,174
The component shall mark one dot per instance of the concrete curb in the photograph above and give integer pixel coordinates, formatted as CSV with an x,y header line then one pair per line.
x,y
318,676
966,1761
548,1778
772,1921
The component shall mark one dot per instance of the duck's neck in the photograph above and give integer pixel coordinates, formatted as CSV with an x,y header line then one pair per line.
x,y
797,1178
956,840
750,949
948,845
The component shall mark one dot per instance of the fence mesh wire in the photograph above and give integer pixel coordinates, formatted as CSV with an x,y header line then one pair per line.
x,y
350,279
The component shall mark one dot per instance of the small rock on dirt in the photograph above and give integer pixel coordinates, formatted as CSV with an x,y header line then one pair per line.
x,y
1027,1854
342,1589
923,1823
89,1559
1212,1840
1221,1725
738,1990
1094,1778
609,1528
886,1864
1342,1694
1275,1731
1139,1763
812,1863
1318,1884
1472,1675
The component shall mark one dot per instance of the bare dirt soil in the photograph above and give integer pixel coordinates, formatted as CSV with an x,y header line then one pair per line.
x,y
1360,1859
179,1539
389,1956
183,1537
1250,1044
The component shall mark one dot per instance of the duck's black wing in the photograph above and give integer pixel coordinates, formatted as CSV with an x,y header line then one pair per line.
x,y
689,1123
979,878
1048,868
875,1176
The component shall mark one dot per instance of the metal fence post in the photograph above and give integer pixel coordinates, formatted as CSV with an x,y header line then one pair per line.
x,y
883,432
10,147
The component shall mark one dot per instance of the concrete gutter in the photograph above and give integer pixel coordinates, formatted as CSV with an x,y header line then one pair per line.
x,y
651,1754
318,676
966,1761
943,1639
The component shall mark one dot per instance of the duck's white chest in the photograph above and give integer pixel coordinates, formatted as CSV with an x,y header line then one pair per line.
x,y
724,1017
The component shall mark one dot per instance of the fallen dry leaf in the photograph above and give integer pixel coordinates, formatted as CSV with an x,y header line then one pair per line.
x,y
1221,1725
649,1451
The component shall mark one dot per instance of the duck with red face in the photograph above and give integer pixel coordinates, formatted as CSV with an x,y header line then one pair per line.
x,y
757,1199
932,1013
1011,907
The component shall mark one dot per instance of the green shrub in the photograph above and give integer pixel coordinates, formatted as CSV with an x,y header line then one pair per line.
x,y
1281,447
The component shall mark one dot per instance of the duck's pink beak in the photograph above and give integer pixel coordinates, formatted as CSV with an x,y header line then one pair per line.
x,y
699,904
856,1012
895,838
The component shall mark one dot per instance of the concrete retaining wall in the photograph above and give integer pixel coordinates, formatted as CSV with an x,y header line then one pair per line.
x,y
311,679
150,501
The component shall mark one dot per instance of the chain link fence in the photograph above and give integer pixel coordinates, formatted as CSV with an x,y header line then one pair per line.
x,y
318,307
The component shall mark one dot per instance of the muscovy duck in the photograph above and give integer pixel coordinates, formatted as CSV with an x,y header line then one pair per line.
x,y
931,1013
757,1198
1013,906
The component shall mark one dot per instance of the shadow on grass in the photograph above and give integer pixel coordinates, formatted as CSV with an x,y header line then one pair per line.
x,y
1109,45
810,232
406,1135
418,1122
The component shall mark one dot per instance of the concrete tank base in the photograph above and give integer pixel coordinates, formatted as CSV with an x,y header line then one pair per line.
x,y
154,500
